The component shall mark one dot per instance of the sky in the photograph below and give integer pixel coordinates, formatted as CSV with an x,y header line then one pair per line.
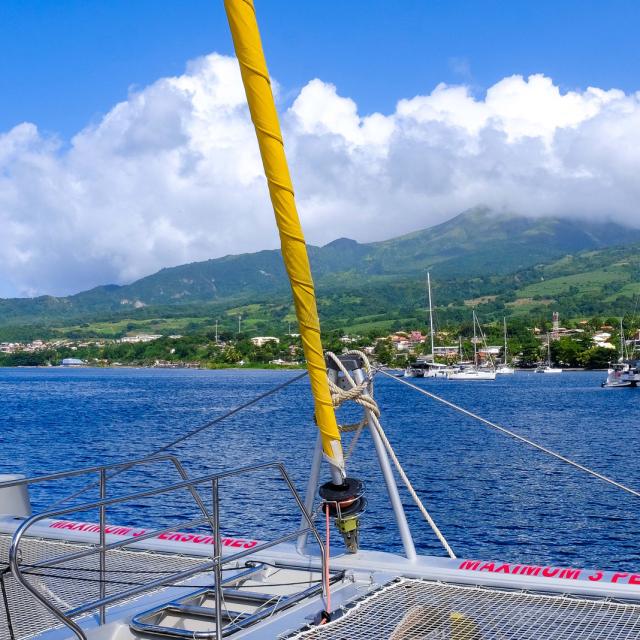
x,y
125,144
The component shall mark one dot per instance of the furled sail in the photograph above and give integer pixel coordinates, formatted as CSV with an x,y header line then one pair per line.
x,y
255,76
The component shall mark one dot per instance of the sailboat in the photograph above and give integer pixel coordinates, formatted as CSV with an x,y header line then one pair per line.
x,y
623,373
548,368
504,368
431,368
426,366
63,579
473,372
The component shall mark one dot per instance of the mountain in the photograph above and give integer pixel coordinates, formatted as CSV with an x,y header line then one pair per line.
x,y
474,254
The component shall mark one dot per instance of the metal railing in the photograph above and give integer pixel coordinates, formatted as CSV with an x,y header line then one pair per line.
x,y
210,518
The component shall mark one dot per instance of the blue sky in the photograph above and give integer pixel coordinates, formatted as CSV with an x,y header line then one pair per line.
x,y
93,193
65,63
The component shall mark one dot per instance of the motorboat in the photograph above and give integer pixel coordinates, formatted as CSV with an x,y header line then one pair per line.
x,y
620,375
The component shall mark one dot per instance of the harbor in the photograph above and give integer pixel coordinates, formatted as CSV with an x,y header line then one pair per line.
x,y
493,497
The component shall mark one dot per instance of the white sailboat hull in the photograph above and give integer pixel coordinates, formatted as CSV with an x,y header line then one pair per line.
x,y
472,375
505,371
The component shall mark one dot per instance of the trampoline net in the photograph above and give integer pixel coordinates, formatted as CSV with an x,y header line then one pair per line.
x,y
417,609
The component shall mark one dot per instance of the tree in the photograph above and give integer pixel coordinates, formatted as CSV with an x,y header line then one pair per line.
x,y
597,358
384,351
566,351
529,351
231,356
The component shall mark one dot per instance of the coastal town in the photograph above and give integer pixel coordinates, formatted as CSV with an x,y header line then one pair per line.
x,y
584,344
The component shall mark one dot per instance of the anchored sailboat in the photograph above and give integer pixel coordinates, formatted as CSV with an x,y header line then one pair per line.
x,y
623,373
426,366
475,371
505,368
548,368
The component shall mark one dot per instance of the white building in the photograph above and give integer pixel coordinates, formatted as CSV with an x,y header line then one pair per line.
x,y
602,340
143,337
446,351
260,341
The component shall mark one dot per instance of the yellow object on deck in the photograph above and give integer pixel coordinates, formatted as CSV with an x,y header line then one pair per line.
x,y
255,76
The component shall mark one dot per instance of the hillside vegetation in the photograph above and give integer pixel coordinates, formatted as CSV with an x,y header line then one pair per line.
x,y
502,264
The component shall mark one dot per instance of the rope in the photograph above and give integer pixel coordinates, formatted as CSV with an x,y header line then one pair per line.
x,y
326,560
516,436
196,431
362,394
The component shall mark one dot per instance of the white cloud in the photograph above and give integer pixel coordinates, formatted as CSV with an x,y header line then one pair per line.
x,y
173,174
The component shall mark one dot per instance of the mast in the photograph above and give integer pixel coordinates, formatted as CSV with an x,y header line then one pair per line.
x,y
475,345
504,319
549,350
430,313
621,341
255,77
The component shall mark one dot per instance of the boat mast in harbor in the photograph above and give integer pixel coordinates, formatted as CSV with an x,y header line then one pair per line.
x,y
430,314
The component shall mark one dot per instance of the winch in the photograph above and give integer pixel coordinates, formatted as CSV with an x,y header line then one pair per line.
x,y
345,502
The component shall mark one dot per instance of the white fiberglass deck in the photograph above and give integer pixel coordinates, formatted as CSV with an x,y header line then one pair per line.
x,y
423,610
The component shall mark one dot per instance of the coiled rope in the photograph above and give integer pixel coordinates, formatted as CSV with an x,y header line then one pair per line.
x,y
362,394
515,436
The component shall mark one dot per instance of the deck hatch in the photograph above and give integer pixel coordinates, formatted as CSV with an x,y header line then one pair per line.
x,y
410,609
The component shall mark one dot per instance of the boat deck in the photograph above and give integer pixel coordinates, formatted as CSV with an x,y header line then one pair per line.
x,y
396,608
420,609
75,582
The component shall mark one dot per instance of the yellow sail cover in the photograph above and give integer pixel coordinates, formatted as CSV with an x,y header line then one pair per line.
x,y
255,76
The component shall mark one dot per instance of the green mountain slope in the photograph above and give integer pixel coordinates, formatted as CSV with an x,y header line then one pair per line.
x,y
522,264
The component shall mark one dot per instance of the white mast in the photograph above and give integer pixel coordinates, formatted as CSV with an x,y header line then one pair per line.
x,y
621,341
475,346
430,313
549,350
504,319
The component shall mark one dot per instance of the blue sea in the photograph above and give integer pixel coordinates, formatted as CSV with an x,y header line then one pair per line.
x,y
493,497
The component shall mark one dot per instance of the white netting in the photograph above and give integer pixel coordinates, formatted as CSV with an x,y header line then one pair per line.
x,y
422,610
76,581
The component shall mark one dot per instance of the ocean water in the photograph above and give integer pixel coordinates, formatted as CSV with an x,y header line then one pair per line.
x,y
493,498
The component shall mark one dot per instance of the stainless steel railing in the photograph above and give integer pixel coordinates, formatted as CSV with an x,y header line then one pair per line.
x,y
211,518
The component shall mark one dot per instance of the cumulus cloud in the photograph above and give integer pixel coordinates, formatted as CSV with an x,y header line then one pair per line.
x,y
173,175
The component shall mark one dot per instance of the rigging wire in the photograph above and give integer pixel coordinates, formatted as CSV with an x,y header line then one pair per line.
x,y
514,435
196,431
362,394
